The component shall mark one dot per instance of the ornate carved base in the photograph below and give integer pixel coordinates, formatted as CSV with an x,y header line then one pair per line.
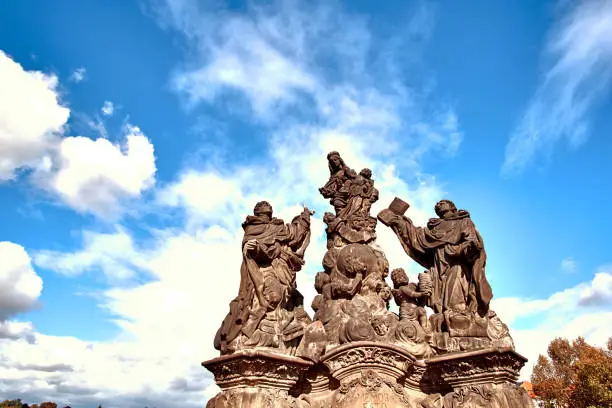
x,y
475,379
372,375
255,378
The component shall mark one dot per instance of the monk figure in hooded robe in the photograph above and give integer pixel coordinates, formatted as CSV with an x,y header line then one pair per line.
x,y
272,254
452,250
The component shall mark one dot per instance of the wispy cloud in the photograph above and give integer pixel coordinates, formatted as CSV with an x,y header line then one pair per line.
x,y
569,265
268,59
313,61
108,108
90,176
578,54
78,75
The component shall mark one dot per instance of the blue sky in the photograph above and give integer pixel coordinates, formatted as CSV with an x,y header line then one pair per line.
x,y
136,136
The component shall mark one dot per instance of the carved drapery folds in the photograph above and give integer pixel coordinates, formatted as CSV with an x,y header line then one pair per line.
x,y
454,285
268,311
355,352
256,378
353,295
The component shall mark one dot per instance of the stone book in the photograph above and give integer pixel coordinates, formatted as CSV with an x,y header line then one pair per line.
x,y
446,348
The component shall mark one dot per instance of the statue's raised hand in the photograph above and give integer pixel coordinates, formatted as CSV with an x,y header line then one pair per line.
x,y
307,212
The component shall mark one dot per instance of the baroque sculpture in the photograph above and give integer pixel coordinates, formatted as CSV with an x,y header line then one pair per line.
x,y
444,349
353,300
268,311
452,250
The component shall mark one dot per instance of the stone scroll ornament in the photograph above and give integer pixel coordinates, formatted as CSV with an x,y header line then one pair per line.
x,y
452,250
268,311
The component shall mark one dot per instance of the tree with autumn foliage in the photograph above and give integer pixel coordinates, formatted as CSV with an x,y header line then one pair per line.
x,y
575,374
12,404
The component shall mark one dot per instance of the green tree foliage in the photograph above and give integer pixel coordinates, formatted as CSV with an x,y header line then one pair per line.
x,y
574,374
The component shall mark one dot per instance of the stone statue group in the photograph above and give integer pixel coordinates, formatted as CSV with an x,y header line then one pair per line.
x,y
445,349
353,295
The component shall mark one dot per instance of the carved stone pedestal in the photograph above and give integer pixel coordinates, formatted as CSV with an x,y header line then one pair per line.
x,y
475,379
256,378
371,375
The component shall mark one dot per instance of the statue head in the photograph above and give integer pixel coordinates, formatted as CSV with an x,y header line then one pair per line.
x,y
263,208
399,277
317,302
366,174
385,293
444,208
379,325
335,162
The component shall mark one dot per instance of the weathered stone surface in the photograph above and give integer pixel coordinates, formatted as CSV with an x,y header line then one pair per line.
x,y
371,374
268,311
355,352
353,294
256,378
454,285
495,365
475,379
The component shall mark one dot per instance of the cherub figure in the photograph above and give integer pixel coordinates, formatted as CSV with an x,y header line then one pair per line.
x,y
380,325
368,191
408,298
385,293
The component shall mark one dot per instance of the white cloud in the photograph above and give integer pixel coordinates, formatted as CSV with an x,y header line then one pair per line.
x,y
112,253
14,330
70,371
189,272
244,61
579,51
569,265
93,176
583,310
271,57
96,175
260,55
108,108
78,75
598,292
20,286
594,327
31,117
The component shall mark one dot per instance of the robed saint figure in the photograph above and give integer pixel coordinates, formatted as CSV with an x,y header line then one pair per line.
x,y
272,253
452,250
